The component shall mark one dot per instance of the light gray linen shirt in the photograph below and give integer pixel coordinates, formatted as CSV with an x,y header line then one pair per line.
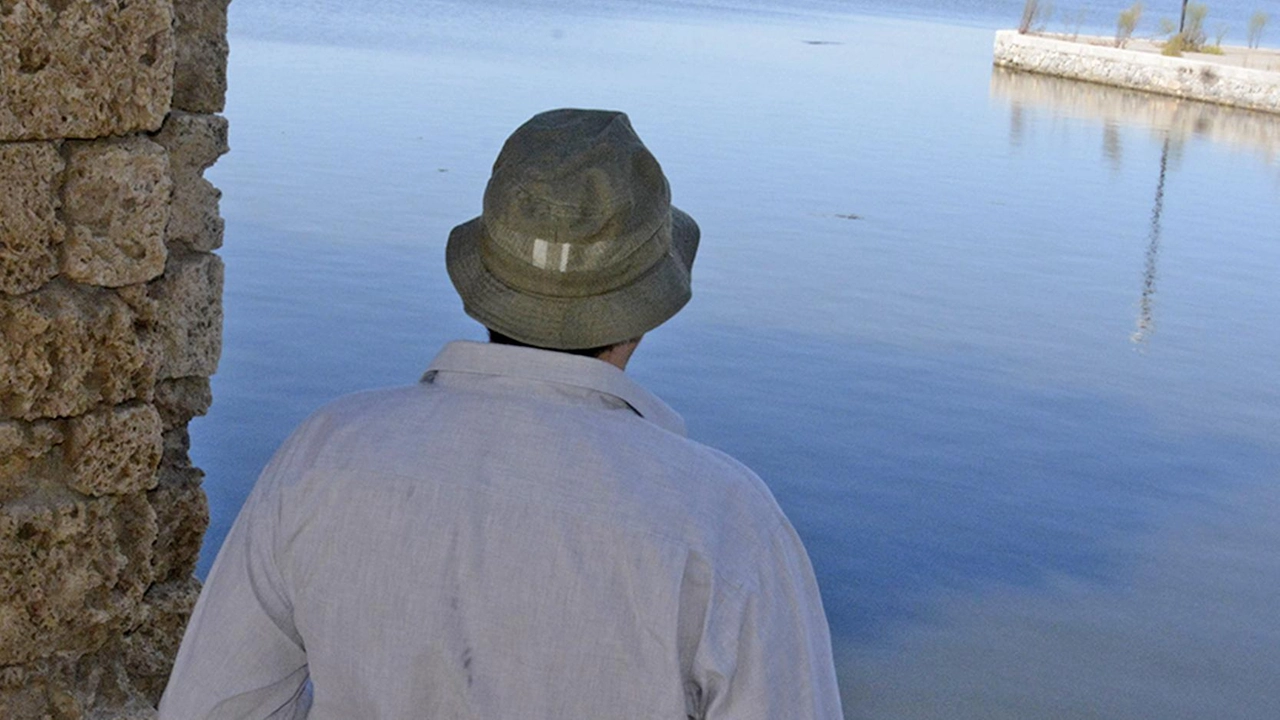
x,y
523,534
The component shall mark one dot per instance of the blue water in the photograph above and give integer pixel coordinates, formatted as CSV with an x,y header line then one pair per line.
x,y
385,23
1023,414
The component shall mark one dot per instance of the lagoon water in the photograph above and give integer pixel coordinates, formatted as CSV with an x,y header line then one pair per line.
x,y
1004,347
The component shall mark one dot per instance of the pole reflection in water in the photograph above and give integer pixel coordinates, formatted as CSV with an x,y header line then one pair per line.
x,y
1146,323
1111,146
1173,121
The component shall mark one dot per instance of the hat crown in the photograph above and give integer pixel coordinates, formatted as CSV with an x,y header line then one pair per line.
x,y
578,245
576,206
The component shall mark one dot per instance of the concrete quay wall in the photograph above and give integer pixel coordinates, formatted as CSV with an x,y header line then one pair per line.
x,y
1219,83
110,326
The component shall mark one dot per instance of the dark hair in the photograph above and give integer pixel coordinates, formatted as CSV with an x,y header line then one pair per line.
x,y
500,339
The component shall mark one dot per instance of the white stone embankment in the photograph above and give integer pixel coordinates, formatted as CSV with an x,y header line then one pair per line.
x,y
1214,82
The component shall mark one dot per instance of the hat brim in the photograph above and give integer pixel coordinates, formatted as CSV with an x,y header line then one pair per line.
x,y
571,323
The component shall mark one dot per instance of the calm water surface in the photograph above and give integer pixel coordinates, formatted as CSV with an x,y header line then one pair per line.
x,y
1004,347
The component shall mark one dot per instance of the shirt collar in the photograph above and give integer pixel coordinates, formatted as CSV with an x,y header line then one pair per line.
x,y
555,367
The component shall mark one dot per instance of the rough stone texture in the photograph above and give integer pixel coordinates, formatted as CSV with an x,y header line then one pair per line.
x,y
200,73
75,571
109,451
110,324
27,458
189,327
177,447
182,514
68,348
1179,77
180,399
84,68
29,228
116,204
194,143
114,451
149,649
94,686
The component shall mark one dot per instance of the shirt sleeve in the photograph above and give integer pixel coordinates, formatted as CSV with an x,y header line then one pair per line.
x,y
241,656
766,650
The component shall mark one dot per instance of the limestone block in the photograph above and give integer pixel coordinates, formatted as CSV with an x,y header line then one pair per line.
x,y
84,68
180,399
150,648
177,447
200,72
72,571
116,205
95,686
194,143
67,348
182,514
189,327
27,456
114,450
110,451
29,228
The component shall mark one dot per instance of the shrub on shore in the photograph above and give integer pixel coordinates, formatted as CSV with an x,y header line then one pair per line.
x,y
1256,24
1192,38
1216,47
1074,22
1035,14
1127,23
1193,30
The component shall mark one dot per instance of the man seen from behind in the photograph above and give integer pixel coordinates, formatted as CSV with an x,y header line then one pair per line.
x,y
526,533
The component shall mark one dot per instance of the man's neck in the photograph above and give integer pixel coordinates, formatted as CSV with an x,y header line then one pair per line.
x,y
618,355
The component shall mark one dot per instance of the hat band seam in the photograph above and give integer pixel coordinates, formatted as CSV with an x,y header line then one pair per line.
x,y
502,264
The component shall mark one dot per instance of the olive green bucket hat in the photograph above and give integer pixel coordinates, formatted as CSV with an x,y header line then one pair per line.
x,y
578,245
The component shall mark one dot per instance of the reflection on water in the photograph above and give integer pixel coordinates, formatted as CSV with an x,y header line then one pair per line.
x,y
1179,641
1111,146
1253,132
1146,323
943,394
1175,121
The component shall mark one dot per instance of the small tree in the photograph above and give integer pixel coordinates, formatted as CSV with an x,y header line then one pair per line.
x,y
1074,22
1030,9
1046,14
1192,38
1035,14
1127,23
1256,24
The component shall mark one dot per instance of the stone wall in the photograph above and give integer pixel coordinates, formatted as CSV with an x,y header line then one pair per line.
x,y
110,326
1242,87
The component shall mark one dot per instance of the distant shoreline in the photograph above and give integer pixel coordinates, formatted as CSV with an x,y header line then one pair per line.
x,y
1239,77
